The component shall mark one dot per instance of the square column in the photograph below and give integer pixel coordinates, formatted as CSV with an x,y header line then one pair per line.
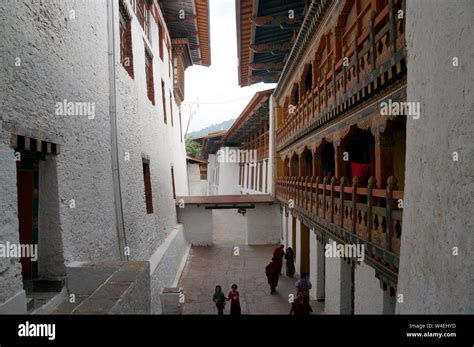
x,y
368,296
317,261
338,290
284,225
298,247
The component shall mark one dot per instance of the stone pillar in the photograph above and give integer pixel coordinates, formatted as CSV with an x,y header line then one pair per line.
x,y
368,296
170,301
290,230
284,224
389,302
298,246
338,287
198,224
317,260
263,225
346,287
436,257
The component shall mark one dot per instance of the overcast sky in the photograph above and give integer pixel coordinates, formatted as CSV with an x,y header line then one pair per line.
x,y
216,88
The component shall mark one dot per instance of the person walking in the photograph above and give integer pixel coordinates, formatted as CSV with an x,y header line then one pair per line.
x,y
234,298
278,255
290,262
303,285
273,274
219,298
299,307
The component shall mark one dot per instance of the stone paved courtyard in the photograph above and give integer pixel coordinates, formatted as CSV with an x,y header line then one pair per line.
x,y
208,266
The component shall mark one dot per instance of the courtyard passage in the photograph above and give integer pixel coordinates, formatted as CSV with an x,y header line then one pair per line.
x,y
224,264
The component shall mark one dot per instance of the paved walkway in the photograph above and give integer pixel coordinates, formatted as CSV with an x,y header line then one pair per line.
x,y
208,266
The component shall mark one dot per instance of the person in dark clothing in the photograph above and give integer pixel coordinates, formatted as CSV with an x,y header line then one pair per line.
x,y
278,255
299,306
219,299
273,274
234,298
303,286
290,262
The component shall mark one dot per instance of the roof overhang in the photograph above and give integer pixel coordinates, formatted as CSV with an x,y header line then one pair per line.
x,y
210,143
253,117
195,160
183,46
192,24
265,34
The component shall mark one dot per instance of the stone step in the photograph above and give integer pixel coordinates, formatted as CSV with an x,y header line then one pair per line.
x,y
30,304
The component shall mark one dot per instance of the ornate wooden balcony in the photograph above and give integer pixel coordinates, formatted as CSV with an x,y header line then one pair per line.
x,y
351,213
260,144
376,55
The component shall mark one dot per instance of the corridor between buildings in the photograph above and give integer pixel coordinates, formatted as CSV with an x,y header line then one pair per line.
x,y
229,260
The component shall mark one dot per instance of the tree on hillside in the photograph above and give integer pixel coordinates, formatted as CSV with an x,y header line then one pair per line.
x,y
193,148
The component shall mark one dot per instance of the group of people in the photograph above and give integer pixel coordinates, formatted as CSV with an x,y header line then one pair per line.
x,y
273,270
299,306
220,300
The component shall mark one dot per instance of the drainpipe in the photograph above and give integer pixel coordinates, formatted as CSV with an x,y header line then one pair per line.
x,y
122,240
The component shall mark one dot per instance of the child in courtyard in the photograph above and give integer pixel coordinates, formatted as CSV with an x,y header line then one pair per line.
x,y
219,299
234,298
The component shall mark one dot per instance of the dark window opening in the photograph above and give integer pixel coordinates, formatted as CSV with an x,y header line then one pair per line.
x,y
327,161
160,40
163,101
147,181
171,108
172,182
149,77
125,28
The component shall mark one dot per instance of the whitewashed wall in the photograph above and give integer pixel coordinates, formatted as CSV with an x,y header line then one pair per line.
x,y
66,58
197,186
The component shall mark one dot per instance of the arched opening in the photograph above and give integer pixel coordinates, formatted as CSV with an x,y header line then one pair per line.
x,y
327,167
294,167
359,145
306,163
295,95
393,150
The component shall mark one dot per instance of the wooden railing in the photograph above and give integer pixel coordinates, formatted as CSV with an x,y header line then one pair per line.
x,y
259,144
369,52
374,215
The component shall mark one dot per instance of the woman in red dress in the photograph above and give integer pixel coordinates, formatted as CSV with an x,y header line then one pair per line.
x,y
234,298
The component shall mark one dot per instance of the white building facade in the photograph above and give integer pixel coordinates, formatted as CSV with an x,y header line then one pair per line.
x,y
91,135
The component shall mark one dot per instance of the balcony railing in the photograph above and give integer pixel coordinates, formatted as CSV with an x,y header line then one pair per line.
x,y
260,144
374,56
371,216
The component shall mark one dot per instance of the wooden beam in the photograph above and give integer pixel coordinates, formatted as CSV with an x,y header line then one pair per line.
x,y
270,47
283,21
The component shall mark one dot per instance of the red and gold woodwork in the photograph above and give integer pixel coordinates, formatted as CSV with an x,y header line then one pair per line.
x,y
342,161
